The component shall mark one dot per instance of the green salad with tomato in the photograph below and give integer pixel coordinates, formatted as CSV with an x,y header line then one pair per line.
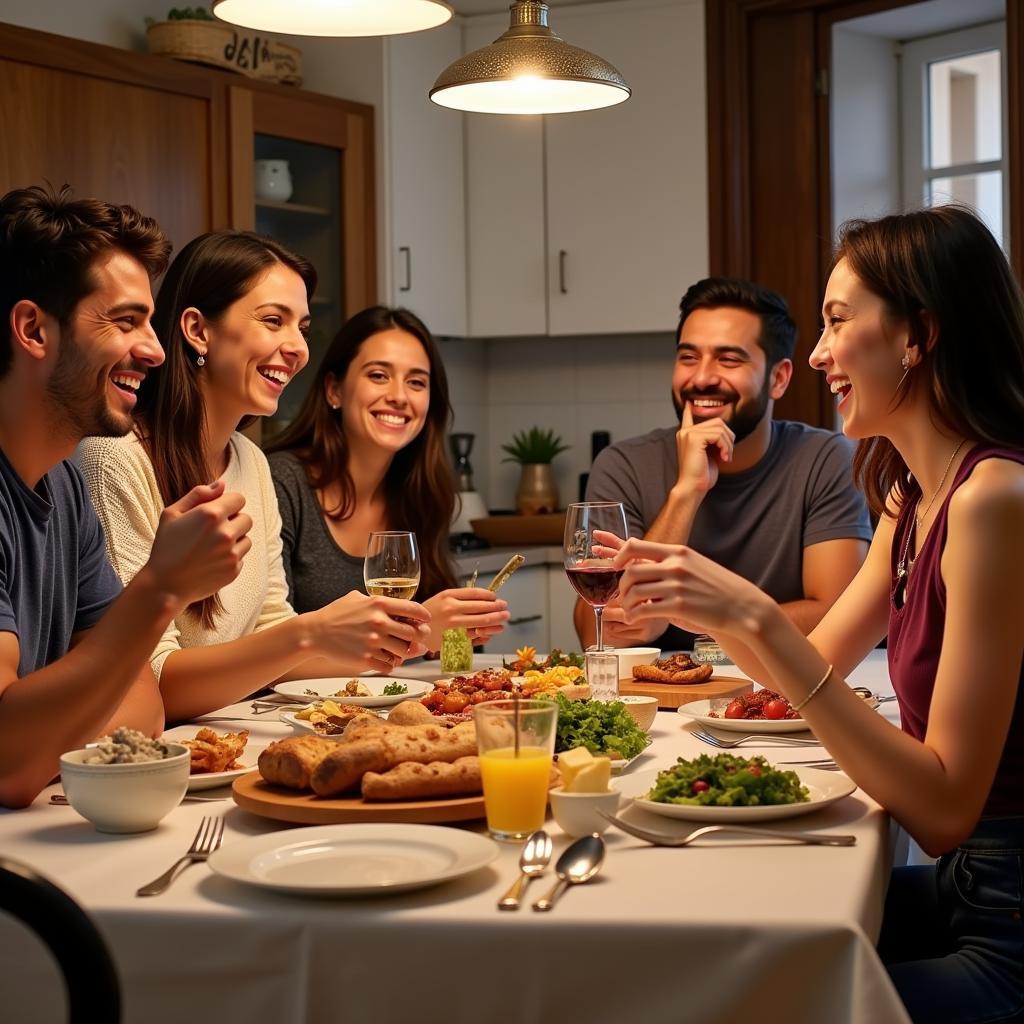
x,y
727,781
603,727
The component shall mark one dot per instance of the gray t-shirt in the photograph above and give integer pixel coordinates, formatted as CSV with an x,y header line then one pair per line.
x,y
319,571
755,523
55,579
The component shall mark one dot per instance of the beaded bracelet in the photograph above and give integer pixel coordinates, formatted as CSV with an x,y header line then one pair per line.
x,y
824,679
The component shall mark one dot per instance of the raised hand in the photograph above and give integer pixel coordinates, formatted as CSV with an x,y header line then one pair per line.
x,y
700,448
379,632
200,543
474,609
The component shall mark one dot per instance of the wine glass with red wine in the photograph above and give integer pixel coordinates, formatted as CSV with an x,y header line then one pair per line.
x,y
593,577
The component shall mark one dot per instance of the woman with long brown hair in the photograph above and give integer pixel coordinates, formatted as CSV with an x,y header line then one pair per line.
x,y
232,315
923,345
366,453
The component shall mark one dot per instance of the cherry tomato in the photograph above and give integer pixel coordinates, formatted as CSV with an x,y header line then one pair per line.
x,y
455,703
776,709
735,709
699,786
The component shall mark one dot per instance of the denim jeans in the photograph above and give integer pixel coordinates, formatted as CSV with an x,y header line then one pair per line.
x,y
952,936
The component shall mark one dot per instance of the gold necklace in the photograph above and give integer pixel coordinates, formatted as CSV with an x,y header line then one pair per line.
x,y
905,564
919,517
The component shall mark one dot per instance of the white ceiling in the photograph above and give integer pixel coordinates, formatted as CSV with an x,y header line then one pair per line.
x,y
495,6
925,19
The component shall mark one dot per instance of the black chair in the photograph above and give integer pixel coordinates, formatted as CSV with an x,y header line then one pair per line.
x,y
90,978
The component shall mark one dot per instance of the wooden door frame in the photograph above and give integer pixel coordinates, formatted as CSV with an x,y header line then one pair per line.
x,y
732,165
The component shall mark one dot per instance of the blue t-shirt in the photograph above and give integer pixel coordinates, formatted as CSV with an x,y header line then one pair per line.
x,y
55,579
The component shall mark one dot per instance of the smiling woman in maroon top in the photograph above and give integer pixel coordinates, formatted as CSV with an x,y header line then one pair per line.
x,y
923,345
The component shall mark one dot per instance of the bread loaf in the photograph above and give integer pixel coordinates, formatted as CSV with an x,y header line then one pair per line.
x,y
410,712
344,766
291,762
411,781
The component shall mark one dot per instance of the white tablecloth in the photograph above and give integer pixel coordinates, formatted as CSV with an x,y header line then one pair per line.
x,y
723,932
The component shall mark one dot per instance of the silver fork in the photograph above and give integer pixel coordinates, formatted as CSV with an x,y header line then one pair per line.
x,y
765,739
661,839
208,838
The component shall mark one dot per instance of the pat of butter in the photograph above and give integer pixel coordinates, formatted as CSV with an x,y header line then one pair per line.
x,y
572,762
593,778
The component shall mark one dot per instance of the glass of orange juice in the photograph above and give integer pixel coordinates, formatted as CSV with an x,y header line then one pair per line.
x,y
516,740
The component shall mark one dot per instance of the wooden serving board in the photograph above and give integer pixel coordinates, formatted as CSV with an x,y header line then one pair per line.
x,y
672,695
251,793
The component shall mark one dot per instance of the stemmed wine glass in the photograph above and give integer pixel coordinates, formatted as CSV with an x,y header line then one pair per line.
x,y
592,577
392,565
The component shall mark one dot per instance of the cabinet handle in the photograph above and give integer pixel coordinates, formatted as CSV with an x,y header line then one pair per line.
x,y
524,619
407,252
561,272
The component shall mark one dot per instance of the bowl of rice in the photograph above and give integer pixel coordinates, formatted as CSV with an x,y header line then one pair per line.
x,y
125,782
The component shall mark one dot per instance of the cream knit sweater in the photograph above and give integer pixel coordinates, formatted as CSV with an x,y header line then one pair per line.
x,y
128,503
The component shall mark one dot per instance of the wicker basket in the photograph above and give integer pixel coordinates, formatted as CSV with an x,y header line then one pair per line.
x,y
224,46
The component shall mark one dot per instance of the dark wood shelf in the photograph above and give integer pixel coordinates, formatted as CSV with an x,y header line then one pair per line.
x,y
302,208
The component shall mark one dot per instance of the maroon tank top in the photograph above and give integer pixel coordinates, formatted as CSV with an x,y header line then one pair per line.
x,y
915,638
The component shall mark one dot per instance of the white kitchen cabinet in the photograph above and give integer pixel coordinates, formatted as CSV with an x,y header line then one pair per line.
x,y
426,196
594,222
561,602
527,595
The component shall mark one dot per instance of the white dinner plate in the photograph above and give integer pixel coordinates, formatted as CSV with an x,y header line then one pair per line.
x,y
213,780
824,787
698,711
296,688
305,727
354,859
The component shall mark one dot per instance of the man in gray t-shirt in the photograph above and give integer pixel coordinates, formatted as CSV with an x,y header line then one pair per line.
x,y
771,500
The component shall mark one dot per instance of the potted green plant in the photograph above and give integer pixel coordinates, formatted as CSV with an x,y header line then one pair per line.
x,y
535,450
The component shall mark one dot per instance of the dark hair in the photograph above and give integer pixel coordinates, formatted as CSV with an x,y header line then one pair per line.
x,y
49,242
211,273
778,331
945,262
420,485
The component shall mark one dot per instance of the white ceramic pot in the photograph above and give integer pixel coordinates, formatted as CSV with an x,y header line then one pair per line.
x,y
273,180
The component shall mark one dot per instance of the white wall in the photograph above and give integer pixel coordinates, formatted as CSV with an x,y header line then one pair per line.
x,y
865,126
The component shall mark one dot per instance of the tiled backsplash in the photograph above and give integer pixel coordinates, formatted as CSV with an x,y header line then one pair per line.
x,y
575,385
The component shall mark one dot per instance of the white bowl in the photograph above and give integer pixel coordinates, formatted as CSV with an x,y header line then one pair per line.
x,y
576,813
125,797
643,710
631,656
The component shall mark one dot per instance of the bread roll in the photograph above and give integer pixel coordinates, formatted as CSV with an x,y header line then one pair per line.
x,y
345,765
410,780
291,762
410,712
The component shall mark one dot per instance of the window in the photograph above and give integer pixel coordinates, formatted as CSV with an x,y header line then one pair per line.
x,y
954,132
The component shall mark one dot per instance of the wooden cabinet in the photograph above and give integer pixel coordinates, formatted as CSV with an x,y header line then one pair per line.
x,y
329,216
426,207
594,222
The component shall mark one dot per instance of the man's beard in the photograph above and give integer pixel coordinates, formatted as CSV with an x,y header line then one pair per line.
x,y
72,390
744,419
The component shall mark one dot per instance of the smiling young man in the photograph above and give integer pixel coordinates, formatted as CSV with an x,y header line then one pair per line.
x,y
76,343
772,500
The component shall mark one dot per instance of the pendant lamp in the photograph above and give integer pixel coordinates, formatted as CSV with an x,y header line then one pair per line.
x,y
529,70
334,17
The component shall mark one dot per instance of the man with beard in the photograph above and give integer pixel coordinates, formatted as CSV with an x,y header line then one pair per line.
x,y
75,343
771,500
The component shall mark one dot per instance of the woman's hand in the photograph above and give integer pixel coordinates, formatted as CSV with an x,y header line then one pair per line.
x,y
378,632
474,609
668,581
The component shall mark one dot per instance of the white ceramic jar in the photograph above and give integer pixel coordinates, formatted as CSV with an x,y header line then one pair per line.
x,y
273,180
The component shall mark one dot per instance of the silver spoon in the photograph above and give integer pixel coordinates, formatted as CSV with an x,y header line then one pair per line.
x,y
532,861
578,864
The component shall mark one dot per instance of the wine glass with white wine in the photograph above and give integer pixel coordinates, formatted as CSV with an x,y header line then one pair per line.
x,y
392,565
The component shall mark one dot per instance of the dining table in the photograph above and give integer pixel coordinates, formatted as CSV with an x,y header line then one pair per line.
x,y
732,928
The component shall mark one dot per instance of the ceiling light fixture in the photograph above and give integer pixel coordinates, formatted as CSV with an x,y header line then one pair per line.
x,y
334,17
529,70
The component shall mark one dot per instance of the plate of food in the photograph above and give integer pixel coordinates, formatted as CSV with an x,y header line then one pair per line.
x,y
724,787
366,691
327,717
357,860
763,711
602,727
217,759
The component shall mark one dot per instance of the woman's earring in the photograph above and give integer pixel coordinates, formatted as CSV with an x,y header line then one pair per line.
x,y
905,362
201,361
